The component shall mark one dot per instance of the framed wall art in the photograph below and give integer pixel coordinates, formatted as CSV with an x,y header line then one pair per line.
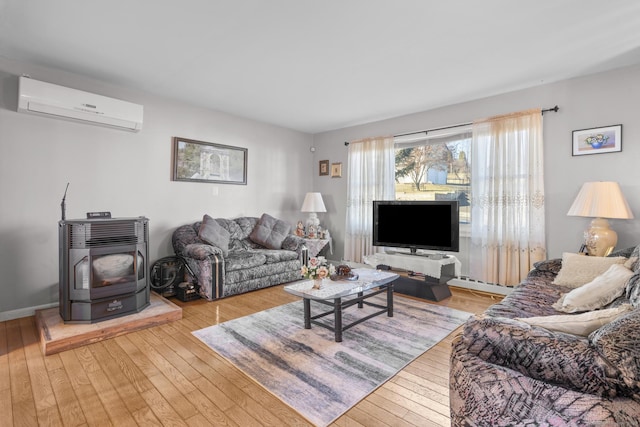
x,y
336,170
600,140
199,161
323,167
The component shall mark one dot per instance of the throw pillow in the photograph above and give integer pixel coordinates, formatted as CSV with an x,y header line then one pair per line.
x,y
597,293
578,324
270,232
577,269
214,234
631,263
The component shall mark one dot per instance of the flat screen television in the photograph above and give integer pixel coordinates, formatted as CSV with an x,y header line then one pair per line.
x,y
432,224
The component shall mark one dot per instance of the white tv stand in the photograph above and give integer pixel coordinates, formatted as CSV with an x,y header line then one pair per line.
x,y
425,276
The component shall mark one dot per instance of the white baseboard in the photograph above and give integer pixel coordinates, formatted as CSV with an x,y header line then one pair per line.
x,y
24,312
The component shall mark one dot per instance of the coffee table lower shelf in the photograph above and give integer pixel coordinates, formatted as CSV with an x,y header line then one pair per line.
x,y
338,306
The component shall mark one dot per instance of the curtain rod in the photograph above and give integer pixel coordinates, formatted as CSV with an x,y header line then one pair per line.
x,y
554,109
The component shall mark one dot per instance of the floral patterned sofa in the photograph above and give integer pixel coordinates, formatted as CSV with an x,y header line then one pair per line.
x,y
232,256
507,370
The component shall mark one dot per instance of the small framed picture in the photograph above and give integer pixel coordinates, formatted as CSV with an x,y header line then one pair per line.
x,y
336,170
324,167
600,140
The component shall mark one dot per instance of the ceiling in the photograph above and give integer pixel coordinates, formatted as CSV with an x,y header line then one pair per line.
x,y
318,65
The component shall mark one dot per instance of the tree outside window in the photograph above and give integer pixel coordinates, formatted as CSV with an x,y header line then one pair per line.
x,y
436,170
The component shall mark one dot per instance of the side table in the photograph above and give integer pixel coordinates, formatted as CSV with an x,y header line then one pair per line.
x,y
316,246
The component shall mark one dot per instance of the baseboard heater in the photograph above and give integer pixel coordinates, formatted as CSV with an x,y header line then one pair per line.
x,y
467,283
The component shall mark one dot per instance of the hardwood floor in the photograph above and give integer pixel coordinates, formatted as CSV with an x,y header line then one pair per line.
x,y
165,376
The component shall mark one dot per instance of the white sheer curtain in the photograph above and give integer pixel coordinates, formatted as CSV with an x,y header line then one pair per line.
x,y
507,189
370,176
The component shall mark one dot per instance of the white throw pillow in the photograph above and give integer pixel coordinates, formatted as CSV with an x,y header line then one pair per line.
x,y
578,324
597,293
631,263
577,269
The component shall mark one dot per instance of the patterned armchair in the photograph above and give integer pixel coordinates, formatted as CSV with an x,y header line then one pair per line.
x,y
507,372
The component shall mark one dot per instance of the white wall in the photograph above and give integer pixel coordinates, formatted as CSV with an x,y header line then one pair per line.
x,y
598,100
129,174
126,173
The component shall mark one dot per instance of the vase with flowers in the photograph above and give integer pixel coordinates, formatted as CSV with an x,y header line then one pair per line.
x,y
596,141
317,270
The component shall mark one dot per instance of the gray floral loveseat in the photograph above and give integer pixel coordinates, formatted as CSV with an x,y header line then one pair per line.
x,y
534,360
232,256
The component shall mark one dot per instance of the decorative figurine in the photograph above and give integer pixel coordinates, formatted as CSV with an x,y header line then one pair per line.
x,y
300,229
311,234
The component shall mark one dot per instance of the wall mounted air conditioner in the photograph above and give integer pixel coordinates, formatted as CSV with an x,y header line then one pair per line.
x,y
51,100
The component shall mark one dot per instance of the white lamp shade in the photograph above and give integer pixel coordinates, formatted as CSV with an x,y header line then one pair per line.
x,y
601,200
313,203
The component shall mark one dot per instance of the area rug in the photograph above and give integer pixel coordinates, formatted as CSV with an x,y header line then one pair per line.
x,y
318,377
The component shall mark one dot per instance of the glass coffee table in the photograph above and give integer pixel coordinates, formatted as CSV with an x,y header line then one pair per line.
x,y
341,294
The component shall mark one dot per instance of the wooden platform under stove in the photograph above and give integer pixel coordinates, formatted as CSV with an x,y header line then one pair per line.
x,y
56,336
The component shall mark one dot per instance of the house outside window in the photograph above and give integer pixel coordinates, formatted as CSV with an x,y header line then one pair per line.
x,y
435,167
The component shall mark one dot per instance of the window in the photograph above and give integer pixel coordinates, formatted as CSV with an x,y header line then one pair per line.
x,y
435,165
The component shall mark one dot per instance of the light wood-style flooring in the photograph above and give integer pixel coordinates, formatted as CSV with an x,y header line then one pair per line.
x,y
165,376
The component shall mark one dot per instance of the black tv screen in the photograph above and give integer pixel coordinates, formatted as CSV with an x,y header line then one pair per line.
x,y
417,224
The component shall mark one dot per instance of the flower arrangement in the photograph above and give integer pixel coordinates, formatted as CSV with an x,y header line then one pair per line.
x,y
317,269
596,141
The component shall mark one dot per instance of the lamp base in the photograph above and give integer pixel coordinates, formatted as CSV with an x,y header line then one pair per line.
x,y
599,238
313,222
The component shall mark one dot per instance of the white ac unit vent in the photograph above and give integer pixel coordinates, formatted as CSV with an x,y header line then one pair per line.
x,y
51,100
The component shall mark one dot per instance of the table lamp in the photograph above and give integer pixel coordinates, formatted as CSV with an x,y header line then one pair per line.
x,y
313,203
600,200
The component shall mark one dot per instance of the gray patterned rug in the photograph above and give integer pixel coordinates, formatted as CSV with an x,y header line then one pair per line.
x,y
318,377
